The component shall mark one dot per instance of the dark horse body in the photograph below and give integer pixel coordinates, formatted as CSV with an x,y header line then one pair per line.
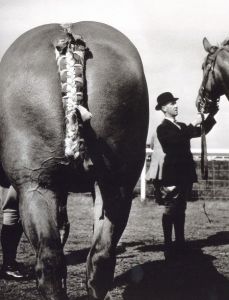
x,y
32,145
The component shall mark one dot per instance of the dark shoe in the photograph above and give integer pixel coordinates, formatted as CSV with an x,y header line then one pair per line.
x,y
169,256
12,272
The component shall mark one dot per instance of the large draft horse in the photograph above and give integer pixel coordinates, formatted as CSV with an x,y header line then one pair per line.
x,y
215,81
32,135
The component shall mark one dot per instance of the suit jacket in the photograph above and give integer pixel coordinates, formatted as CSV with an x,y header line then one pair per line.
x,y
179,166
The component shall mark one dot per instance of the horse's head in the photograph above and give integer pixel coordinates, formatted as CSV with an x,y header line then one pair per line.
x,y
211,87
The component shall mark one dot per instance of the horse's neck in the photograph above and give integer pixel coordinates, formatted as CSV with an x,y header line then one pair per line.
x,y
225,83
227,95
223,72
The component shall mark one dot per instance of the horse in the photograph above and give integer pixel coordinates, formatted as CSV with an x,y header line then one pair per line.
x,y
33,128
215,81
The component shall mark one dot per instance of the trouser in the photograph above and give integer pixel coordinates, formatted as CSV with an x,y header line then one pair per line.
x,y
10,206
174,199
11,229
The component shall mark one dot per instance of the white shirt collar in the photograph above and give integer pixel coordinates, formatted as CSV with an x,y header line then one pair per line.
x,y
173,121
170,119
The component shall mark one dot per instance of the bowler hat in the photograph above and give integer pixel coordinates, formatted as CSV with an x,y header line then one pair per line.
x,y
163,99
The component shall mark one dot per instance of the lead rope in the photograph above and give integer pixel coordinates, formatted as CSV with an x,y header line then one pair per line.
x,y
204,160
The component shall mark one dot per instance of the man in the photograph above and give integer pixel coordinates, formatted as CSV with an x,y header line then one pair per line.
x,y
10,234
179,172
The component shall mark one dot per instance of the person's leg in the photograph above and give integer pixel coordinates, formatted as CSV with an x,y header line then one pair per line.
x,y
10,234
168,194
157,186
179,218
10,237
167,230
179,224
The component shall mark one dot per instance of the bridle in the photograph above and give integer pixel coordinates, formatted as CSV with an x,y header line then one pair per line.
x,y
203,100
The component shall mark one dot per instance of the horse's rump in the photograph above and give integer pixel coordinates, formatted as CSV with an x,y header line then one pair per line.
x,y
116,94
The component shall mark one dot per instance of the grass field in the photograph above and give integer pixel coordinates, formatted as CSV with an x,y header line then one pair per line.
x,y
141,272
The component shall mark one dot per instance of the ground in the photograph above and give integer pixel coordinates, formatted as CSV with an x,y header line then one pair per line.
x,y
141,272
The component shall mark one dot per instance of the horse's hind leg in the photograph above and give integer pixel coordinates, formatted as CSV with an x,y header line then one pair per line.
x,y
111,215
39,212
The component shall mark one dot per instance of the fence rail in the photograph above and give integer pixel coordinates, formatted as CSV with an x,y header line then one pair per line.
x,y
219,173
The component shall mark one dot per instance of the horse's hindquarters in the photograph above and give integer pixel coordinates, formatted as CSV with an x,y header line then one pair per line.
x,y
118,99
32,133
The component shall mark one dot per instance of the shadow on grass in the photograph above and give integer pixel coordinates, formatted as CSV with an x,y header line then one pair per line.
x,y
218,239
192,278
76,257
80,256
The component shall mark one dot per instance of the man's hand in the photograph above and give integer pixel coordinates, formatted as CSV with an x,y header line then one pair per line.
x,y
197,121
213,110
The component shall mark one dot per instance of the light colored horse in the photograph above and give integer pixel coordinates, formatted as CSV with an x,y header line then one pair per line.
x,y
32,135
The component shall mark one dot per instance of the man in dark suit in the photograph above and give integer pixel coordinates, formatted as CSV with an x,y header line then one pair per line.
x,y
179,172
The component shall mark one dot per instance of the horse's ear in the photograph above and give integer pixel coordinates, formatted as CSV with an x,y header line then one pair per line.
x,y
207,45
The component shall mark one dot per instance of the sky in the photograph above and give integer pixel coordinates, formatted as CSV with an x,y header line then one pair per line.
x,y
168,35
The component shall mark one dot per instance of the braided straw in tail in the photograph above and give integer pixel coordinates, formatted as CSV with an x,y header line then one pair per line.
x,y
70,56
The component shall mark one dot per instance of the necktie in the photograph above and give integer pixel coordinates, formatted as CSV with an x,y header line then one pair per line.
x,y
175,122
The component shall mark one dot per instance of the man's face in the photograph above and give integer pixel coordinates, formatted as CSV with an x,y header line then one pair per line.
x,y
170,109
